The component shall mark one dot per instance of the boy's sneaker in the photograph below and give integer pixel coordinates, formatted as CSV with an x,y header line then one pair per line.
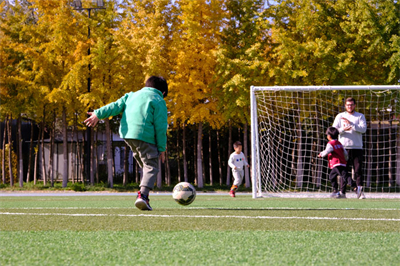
x,y
341,195
142,202
334,194
359,191
232,193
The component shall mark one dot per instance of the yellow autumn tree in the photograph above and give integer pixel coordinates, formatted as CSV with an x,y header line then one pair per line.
x,y
143,41
133,49
17,95
105,73
194,45
54,50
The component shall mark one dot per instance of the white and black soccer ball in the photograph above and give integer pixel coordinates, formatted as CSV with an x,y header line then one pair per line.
x,y
184,193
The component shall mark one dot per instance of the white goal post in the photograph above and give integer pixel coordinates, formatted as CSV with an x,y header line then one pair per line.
x,y
288,125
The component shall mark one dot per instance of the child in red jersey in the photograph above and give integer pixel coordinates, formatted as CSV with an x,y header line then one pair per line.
x,y
337,156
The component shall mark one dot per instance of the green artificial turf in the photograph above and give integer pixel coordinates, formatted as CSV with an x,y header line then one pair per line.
x,y
198,248
214,230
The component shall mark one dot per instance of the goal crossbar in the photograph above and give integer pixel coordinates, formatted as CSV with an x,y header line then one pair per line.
x,y
324,88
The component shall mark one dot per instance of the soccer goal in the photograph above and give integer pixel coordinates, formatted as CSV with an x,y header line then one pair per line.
x,y
288,132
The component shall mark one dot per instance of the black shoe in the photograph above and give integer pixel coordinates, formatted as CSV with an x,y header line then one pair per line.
x,y
341,195
334,194
142,202
360,193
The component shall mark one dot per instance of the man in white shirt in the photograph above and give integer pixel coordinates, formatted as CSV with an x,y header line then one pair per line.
x,y
351,126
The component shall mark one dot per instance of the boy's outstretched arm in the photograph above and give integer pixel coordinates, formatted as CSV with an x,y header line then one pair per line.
x,y
92,120
325,152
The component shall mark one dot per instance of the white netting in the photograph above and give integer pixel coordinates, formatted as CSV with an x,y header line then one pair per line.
x,y
289,132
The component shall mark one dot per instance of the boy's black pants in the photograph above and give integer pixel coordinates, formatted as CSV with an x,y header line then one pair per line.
x,y
342,171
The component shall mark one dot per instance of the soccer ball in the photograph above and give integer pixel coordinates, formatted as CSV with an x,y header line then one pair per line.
x,y
184,193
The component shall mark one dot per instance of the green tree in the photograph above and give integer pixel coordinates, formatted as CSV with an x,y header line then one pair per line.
x,y
242,58
333,42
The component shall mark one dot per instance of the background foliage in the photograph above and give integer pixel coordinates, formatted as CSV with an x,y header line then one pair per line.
x,y
211,52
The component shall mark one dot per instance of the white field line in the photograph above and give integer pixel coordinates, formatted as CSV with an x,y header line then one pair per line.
x,y
202,208
199,216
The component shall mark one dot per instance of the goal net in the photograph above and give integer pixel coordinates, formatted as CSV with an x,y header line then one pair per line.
x,y
288,133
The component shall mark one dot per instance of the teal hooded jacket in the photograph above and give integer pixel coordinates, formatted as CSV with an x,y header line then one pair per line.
x,y
144,116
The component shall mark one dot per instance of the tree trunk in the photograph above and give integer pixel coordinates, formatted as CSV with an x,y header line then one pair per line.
x,y
368,158
203,166
109,154
319,143
3,152
185,170
299,172
159,175
219,159
96,157
398,157
30,155
10,172
82,158
390,163
210,157
228,169
126,164
199,156
44,176
138,174
65,148
35,165
378,156
300,169
114,170
178,156
78,155
246,170
195,157
20,155
51,156
10,153
92,151
133,170
167,169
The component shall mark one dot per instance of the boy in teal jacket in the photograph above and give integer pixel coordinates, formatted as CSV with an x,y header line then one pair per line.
x,y
143,127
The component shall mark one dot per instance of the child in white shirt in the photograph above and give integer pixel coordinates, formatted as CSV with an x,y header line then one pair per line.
x,y
237,161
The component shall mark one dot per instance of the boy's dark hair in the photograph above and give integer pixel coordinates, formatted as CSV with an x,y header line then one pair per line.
x,y
159,83
236,144
350,99
333,132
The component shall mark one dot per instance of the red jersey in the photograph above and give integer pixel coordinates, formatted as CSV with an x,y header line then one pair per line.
x,y
337,156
